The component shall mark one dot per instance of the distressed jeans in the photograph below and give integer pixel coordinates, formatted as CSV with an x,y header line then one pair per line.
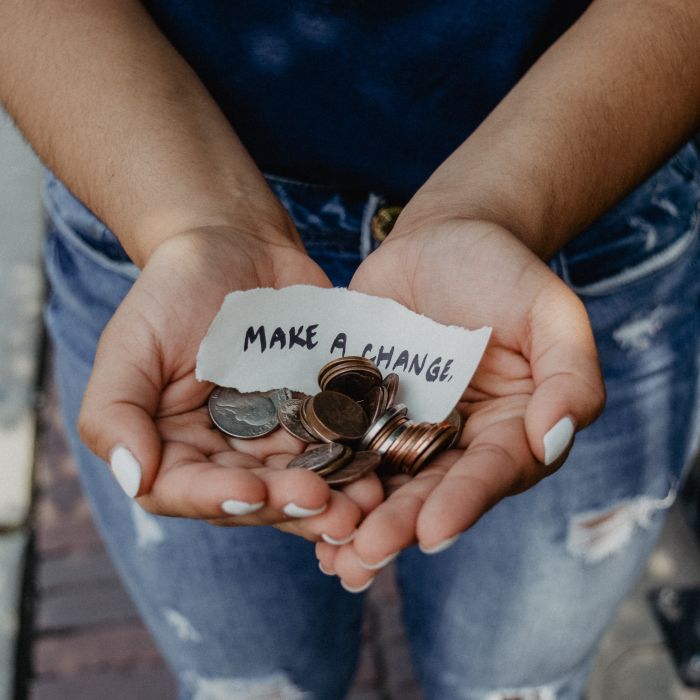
x,y
517,606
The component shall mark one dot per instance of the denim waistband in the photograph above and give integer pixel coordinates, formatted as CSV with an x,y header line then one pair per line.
x,y
648,223
337,222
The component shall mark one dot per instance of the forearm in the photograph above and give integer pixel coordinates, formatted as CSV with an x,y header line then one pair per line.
x,y
111,107
607,104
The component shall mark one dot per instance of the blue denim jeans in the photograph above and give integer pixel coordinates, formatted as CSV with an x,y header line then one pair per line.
x,y
520,602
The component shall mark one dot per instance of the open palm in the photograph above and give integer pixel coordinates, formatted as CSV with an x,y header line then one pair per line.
x,y
143,398
540,370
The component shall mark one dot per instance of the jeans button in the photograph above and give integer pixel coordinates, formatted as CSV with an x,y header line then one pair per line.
x,y
383,221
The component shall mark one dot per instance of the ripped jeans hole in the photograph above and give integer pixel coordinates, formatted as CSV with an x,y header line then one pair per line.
x,y
595,535
542,693
277,686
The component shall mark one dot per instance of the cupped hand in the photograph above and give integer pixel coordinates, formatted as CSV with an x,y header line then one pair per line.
x,y
145,412
538,382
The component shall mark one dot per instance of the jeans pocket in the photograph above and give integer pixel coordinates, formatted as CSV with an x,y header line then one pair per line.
x,y
647,232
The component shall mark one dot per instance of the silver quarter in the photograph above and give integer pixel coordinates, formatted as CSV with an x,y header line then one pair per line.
x,y
319,458
240,415
279,396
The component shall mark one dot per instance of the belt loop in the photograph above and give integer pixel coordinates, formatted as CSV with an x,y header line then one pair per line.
x,y
374,201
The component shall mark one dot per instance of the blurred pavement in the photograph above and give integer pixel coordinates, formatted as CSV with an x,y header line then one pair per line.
x,y
21,284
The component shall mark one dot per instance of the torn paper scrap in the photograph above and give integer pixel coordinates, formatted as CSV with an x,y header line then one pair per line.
x,y
265,339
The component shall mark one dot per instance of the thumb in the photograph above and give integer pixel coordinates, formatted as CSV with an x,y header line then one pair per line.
x,y
569,391
122,396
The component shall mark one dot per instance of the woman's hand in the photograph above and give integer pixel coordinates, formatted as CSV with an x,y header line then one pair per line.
x,y
538,381
145,412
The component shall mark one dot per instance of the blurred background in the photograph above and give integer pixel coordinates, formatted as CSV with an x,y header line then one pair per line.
x,y
68,630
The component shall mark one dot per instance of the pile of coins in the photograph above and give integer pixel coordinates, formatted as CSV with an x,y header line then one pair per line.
x,y
354,414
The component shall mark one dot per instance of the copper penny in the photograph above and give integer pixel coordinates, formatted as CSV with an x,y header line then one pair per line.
x,y
354,383
361,464
391,382
376,402
336,417
455,419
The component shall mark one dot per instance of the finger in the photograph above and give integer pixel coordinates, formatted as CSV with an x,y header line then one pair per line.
x,y
569,392
340,516
193,428
354,577
232,483
116,416
367,493
335,526
325,553
191,486
391,527
497,464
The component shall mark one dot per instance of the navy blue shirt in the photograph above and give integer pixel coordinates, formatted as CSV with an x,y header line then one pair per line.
x,y
366,94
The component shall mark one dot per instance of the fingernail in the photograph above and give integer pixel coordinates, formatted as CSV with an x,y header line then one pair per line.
x,y
126,470
323,571
332,540
295,511
557,439
359,589
380,564
439,547
233,507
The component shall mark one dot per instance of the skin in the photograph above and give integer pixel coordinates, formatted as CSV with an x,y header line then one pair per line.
x,y
153,156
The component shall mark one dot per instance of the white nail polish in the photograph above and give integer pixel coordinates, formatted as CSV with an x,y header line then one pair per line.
x,y
233,507
323,571
557,439
342,540
441,547
126,470
295,511
358,589
380,564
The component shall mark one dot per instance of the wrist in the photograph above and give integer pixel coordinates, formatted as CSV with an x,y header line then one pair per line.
x,y
520,213
249,220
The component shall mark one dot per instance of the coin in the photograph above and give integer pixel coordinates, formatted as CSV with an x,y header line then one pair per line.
x,y
304,418
378,425
442,435
345,364
355,407
319,459
361,464
376,402
391,383
354,383
288,414
455,419
240,415
279,396
335,417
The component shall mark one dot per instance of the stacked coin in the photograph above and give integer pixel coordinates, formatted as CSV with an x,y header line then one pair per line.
x,y
354,410
406,446
337,463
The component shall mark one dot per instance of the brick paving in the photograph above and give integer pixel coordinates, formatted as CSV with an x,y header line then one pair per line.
x,y
87,641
